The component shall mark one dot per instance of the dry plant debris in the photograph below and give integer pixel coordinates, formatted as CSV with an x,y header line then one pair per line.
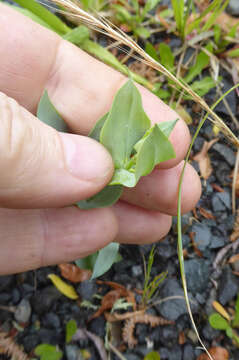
x,y
10,348
73,273
129,326
218,353
203,159
130,318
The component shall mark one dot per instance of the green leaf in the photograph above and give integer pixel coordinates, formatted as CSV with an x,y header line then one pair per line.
x,y
142,32
217,33
47,16
106,197
87,262
150,49
95,132
122,14
153,355
233,53
235,322
167,126
71,328
202,87
150,5
48,352
218,322
166,56
47,113
125,124
229,332
155,149
105,259
202,61
196,23
78,35
217,11
123,177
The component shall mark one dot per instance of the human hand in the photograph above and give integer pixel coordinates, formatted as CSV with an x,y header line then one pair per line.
x,y
43,172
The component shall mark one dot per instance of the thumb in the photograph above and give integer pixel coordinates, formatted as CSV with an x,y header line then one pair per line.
x,y
40,167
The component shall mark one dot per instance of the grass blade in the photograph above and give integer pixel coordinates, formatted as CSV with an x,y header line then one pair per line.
x,y
52,20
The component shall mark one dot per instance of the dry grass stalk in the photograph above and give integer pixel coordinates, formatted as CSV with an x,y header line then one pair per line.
x,y
103,26
10,348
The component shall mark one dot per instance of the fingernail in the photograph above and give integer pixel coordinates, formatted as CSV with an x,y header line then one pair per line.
x,y
86,158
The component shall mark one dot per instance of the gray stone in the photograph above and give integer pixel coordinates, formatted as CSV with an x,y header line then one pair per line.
x,y
87,289
132,357
43,300
228,287
6,282
173,308
221,201
136,270
73,352
225,152
233,7
210,333
217,242
188,352
23,311
202,236
197,275
51,321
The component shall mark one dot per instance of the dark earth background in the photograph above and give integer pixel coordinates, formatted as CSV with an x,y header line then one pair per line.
x,y
42,311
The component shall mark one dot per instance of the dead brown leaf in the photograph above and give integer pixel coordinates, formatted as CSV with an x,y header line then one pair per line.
x,y
73,273
203,159
233,259
218,353
206,214
111,297
181,338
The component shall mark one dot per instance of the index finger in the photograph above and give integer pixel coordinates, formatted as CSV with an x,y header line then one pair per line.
x,y
82,89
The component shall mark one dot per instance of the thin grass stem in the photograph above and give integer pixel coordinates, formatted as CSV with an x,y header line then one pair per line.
x,y
179,219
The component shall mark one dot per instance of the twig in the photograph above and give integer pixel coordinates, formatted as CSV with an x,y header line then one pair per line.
x,y
222,253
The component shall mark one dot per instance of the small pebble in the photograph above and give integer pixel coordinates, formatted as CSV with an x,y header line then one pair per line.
x,y
23,311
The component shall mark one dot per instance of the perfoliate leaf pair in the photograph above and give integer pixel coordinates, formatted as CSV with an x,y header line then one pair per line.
x,y
135,147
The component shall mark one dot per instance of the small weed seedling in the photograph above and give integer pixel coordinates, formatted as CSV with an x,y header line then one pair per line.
x,y
221,320
151,286
135,146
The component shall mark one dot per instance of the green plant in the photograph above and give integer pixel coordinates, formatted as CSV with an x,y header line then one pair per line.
x,y
217,321
133,15
181,10
151,286
203,22
48,352
143,148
